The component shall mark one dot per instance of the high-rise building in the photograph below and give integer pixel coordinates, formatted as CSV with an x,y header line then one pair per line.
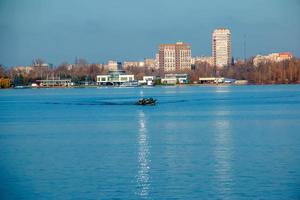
x,y
221,47
174,56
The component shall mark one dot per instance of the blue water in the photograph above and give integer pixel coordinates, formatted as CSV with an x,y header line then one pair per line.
x,y
196,143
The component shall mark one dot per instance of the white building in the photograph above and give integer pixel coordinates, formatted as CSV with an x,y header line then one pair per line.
x,y
216,80
174,57
221,47
175,78
55,82
211,80
148,80
115,77
273,57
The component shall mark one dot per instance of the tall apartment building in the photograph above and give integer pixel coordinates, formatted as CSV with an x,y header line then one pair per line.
x,y
174,56
221,47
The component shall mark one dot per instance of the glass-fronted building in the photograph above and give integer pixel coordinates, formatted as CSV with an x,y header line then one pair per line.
x,y
115,77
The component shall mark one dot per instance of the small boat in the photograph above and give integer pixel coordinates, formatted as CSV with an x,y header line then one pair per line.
x,y
146,101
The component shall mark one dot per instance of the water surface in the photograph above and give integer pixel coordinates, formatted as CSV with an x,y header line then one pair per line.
x,y
197,143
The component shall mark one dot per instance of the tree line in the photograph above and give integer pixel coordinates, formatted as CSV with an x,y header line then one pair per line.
x,y
284,72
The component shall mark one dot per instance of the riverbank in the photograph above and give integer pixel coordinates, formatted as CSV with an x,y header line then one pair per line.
x,y
143,86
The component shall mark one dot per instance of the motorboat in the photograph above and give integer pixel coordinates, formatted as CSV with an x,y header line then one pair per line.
x,y
146,101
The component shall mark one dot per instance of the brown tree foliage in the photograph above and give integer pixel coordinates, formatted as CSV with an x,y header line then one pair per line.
x,y
2,72
266,73
5,83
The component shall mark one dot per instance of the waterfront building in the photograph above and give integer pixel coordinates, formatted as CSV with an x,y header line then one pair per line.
x,y
115,77
215,80
174,57
211,80
175,78
148,80
54,82
221,47
273,57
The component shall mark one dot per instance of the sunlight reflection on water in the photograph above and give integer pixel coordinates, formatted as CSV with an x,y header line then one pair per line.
x,y
222,89
223,157
223,150
143,177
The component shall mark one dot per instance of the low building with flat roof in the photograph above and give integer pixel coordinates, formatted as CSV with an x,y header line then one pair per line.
x,y
54,83
211,80
169,81
175,78
215,80
115,77
148,80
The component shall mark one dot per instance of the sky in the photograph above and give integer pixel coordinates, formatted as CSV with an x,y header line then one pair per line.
x,y
100,30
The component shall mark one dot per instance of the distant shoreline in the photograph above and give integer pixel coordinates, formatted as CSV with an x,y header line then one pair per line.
x,y
183,85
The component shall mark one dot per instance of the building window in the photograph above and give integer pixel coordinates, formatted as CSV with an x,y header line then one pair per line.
x,y
123,78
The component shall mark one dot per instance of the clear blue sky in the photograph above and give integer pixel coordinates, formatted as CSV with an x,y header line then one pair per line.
x,y
99,30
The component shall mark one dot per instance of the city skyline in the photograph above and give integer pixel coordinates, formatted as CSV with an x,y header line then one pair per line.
x,y
133,30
